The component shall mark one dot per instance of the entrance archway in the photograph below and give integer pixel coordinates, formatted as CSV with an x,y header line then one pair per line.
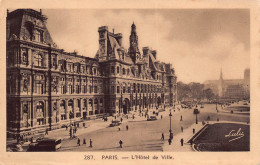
x,y
126,105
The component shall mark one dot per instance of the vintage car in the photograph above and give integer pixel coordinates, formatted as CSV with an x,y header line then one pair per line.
x,y
115,123
45,145
151,118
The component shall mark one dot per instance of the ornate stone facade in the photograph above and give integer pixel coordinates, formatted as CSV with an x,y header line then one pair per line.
x,y
47,87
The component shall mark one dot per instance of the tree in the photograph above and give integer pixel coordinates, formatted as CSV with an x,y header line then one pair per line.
x,y
208,94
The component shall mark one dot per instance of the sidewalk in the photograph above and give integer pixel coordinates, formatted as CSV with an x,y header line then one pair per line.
x,y
186,135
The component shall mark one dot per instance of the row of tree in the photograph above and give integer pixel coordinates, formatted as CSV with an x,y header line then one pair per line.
x,y
194,91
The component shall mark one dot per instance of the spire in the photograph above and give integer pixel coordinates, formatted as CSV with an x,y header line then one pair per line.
x,y
221,75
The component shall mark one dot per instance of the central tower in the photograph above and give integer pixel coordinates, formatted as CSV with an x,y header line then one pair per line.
x,y
133,49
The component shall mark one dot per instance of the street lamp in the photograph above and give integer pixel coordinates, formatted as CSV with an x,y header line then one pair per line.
x,y
171,134
196,112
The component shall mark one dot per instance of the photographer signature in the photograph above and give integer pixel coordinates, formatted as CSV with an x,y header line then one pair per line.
x,y
237,135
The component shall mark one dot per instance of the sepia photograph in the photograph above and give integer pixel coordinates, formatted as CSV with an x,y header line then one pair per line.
x,y
117,80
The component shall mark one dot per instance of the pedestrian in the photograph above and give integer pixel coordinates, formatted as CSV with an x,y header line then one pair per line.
x,y
46,132
181,129
193,130
78,142
84,141
120,143
161,116
162,138
118,128
170,141
181,118
182,142
121,119
208,118
90,143
127,127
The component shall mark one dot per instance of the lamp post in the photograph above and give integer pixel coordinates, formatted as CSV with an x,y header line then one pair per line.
x,y
196,112
171,134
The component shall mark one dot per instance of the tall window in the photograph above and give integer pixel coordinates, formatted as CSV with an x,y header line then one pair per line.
x,y
95,89
62,89
70,89
39,88
123,71
90,89
118,89
38,60
38,36
113,89
117,68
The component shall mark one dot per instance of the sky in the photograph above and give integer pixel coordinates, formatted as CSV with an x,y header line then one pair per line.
x,y
198,42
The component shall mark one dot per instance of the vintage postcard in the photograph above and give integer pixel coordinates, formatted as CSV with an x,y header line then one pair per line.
x,y
152,82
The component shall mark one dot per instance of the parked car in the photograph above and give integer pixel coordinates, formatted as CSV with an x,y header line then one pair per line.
x,y
115,123
151,118
45,145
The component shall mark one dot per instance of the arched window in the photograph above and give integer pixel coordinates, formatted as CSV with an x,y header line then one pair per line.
x,y
38,60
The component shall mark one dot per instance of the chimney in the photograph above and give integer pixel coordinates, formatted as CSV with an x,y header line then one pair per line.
x,y
145,51
154,53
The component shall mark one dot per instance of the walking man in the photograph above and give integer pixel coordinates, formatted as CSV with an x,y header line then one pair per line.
x,y
182,142
162,138
161,116
127,127
120,143
46,132
193,130
170,141
118,128
90,143
181,129
84,141
181,118
78,142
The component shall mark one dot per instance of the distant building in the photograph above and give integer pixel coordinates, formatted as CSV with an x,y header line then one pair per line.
x,y
48,87
230,88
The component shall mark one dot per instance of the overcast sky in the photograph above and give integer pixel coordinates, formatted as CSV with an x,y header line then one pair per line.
x,y
197,42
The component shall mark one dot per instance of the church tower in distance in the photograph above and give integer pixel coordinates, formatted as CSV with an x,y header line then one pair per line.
x,y
133,49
